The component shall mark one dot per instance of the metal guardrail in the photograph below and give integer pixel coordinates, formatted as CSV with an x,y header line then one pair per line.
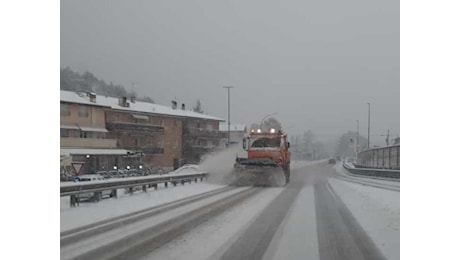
x,y
74,190
384,173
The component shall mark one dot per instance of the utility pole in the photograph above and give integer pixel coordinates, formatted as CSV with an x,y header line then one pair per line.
x,y
357,139
388,137
228,88
369,127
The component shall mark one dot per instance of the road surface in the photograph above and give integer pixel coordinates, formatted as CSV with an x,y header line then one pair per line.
x,y
319,215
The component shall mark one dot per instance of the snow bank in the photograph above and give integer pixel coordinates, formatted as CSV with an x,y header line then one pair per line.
x,y
89,212
377,211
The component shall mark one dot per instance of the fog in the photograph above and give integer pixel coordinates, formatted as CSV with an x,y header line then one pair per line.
x,y
316,64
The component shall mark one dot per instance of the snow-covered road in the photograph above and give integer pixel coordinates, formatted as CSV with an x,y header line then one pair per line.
x,y
317,216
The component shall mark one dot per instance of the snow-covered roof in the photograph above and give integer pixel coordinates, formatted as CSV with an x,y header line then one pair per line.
x,y
233,127
79,98
137,106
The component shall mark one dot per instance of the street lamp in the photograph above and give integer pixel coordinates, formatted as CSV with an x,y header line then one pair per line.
x,y
228,89
261,121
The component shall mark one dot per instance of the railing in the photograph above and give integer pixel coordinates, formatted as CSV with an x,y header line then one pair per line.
x,y
75,189
153,150
383,173
204,133
381,158
134,127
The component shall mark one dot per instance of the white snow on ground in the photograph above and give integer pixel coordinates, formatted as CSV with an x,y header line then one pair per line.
x,y
90,212
376,210
217,233
296,237
106,238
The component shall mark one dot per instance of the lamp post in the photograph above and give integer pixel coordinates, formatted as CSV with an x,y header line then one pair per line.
x,y
261,121
228,89
369,127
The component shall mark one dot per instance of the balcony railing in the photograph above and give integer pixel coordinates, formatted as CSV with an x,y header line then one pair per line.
x,y
146,150
133,127
204,133
88,142
153,150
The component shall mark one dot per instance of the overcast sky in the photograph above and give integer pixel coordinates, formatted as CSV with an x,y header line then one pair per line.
x,y
315,63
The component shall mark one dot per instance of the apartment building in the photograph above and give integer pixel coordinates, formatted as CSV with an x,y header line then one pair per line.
x,y
84,136
149,134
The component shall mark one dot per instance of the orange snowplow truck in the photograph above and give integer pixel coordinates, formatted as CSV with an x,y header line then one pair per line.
x,y
266,150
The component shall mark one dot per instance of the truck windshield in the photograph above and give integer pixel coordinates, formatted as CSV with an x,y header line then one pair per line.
x,y
266,142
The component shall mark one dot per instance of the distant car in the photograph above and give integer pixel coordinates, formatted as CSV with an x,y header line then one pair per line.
x,y
332,161
187,168
134,173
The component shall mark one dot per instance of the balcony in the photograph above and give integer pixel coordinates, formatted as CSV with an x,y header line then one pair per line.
x,y
88,142
199,132
153,150
145,150
133,127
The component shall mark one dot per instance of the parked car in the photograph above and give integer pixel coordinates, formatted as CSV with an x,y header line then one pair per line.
x,y
104,174
332,161
134,173
88,177
187,168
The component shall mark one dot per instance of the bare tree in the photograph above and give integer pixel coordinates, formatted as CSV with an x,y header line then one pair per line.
x,y
197,107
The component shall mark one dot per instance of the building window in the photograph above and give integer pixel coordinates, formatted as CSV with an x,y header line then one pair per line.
x,y
175,144
83,134
65,109
64,132
83,111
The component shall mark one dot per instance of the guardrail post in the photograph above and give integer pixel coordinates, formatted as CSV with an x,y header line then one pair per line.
x,y
196,179
182,181
166,184
155,186
97,196
144,188
174,183
73,201
130,190
114,193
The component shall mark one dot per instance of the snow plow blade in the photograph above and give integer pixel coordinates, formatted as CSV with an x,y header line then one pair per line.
x,y
260,172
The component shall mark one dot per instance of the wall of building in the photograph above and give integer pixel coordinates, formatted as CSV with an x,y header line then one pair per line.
x,y
172,143
166,144
95,115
